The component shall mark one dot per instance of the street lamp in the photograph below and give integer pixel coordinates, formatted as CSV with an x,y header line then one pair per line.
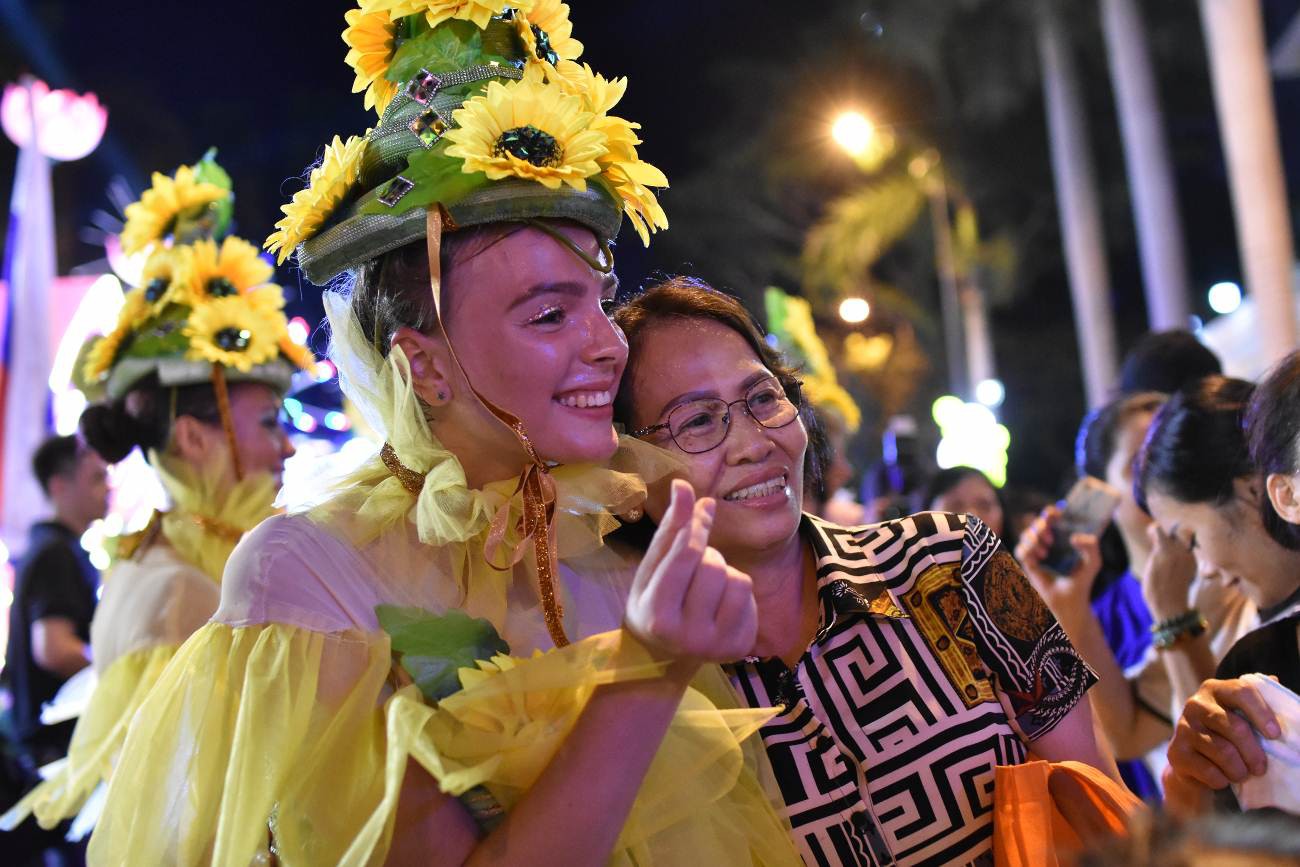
x,y
854,310
853,132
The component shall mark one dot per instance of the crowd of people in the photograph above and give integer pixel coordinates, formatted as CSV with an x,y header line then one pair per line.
x,y
593,600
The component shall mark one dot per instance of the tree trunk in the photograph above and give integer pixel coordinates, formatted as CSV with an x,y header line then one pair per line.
x,y
1150,175
1078,207
1234,34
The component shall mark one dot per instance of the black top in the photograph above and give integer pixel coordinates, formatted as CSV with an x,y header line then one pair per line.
x,y
1271,649
55,579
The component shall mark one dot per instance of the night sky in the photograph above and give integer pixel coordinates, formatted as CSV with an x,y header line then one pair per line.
x,y
266,84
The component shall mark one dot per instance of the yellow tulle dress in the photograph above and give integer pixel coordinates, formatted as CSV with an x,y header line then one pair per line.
x,y
153,599
282,730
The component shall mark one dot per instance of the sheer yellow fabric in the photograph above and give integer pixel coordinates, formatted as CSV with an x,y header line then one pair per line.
x,y
96,742
209,511
151,605
275,732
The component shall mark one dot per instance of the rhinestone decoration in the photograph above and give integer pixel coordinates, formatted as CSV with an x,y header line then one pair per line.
x,y
531,145
394,190
544,51
220,287
233,339
423,86
428,127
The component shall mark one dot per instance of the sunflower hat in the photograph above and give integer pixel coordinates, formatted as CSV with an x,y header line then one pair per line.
x,y
485,115
205,310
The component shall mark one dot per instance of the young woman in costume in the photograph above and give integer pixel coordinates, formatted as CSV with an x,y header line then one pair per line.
x,y
909,658
365,692
192,375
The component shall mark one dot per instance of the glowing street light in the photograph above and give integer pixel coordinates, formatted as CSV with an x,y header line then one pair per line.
x,y
853,132
1224,297
854,310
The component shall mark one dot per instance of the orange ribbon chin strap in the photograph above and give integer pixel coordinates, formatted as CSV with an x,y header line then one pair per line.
x,y
227,420
535,482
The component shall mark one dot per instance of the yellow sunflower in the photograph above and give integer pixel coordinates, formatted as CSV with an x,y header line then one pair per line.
x,y
162,278
438,11
268,298
216,272
547,32
135,309
329,184
232,332
152,218
528,129
369,36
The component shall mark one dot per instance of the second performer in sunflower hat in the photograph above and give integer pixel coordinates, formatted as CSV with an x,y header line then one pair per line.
x,y
367,692
193,375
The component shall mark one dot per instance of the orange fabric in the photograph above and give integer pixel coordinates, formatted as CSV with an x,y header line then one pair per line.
x,y
1045,813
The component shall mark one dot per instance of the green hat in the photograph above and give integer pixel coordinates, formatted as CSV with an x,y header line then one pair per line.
x,y
484,113
205,303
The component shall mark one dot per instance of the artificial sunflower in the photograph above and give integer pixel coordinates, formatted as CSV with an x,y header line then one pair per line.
x,y
438,11
547,32
154,216
370,38
267,298
216,272
330,183
162,278
135,309
528,129
232,332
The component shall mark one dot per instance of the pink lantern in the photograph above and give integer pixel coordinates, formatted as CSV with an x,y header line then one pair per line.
x,y
67,125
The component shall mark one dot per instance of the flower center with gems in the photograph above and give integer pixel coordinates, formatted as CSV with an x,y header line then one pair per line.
x,y
155,290
233,339
220,287
544,51
531,145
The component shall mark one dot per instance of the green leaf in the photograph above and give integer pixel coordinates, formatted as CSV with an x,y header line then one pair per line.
x,y
207,171
437,178
432,648
450,46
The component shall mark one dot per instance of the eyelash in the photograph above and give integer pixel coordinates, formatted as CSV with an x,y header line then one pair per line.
x,y
547,315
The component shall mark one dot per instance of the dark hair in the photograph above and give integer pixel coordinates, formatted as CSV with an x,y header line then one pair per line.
x,y
56,456
945,480
144,417
1167,361
1100,429
392,290
1273,432
1196,447
680,298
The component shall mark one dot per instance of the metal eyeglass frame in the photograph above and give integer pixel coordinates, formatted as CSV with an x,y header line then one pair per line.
x,y
726,417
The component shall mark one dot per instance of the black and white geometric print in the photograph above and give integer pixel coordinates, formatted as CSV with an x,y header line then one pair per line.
x,y
891,725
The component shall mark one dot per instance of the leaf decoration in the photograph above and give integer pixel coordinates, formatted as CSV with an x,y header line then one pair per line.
x,y
437,178
433,648
450,46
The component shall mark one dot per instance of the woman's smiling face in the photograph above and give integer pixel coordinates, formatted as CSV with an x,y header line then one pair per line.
x,y
756,472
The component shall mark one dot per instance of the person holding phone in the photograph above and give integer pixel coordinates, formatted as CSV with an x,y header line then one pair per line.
x,y
1112,624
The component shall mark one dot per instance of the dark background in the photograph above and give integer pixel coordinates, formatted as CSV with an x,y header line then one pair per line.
x,y
735,100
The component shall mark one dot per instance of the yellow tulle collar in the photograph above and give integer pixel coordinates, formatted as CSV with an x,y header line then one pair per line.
x,y
209,513
446,512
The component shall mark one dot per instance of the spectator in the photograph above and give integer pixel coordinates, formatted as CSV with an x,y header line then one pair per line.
x,y
966,490
1103,611
1216,740
54,595
1166,361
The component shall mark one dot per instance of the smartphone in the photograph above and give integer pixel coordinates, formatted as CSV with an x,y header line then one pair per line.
x,y
1086,509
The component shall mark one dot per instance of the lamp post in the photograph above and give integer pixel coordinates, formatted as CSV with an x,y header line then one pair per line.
x,y
46,125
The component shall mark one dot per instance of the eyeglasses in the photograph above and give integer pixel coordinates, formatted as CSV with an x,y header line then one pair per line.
x,y
701,425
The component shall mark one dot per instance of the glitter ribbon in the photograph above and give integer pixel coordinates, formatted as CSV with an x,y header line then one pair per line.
x,y
535,483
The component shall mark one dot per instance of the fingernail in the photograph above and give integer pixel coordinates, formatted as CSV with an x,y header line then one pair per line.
x,y
1273,730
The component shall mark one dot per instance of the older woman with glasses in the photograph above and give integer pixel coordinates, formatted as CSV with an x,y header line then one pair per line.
x,y
909,658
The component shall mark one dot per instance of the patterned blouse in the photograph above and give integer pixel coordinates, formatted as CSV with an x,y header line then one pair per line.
x,y
892,725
